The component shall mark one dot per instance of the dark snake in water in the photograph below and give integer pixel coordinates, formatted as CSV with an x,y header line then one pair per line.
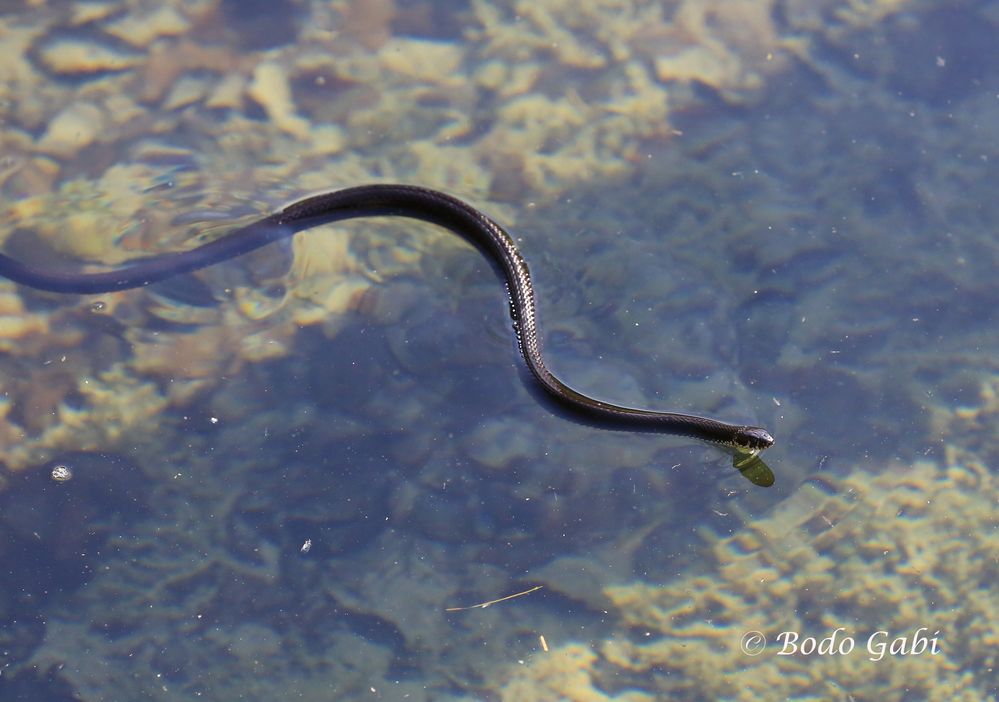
x,y
421,204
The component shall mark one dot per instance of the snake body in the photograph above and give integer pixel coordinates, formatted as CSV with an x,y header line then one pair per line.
x,y
416,203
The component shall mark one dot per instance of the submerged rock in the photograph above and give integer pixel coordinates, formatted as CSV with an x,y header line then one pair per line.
x,y
71,56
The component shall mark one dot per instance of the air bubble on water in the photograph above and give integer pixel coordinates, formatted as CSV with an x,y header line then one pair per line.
x,y
61,473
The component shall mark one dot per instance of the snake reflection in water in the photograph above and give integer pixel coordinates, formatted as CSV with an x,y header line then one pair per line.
x,y
429,206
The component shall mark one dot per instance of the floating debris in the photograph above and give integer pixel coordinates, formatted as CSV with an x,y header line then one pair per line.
x,y
483,605
62,473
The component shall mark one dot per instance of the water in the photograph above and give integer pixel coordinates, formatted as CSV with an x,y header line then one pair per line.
x,y
778,215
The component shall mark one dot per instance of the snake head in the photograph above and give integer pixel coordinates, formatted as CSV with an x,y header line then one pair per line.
x,y
752,440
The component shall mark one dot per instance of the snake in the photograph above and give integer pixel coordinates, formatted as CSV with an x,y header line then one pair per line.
x,y
427,205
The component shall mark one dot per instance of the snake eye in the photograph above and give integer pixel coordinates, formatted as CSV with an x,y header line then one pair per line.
x,y
753,439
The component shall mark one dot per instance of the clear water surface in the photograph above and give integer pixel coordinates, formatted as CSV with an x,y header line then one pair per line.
x,y
319,472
